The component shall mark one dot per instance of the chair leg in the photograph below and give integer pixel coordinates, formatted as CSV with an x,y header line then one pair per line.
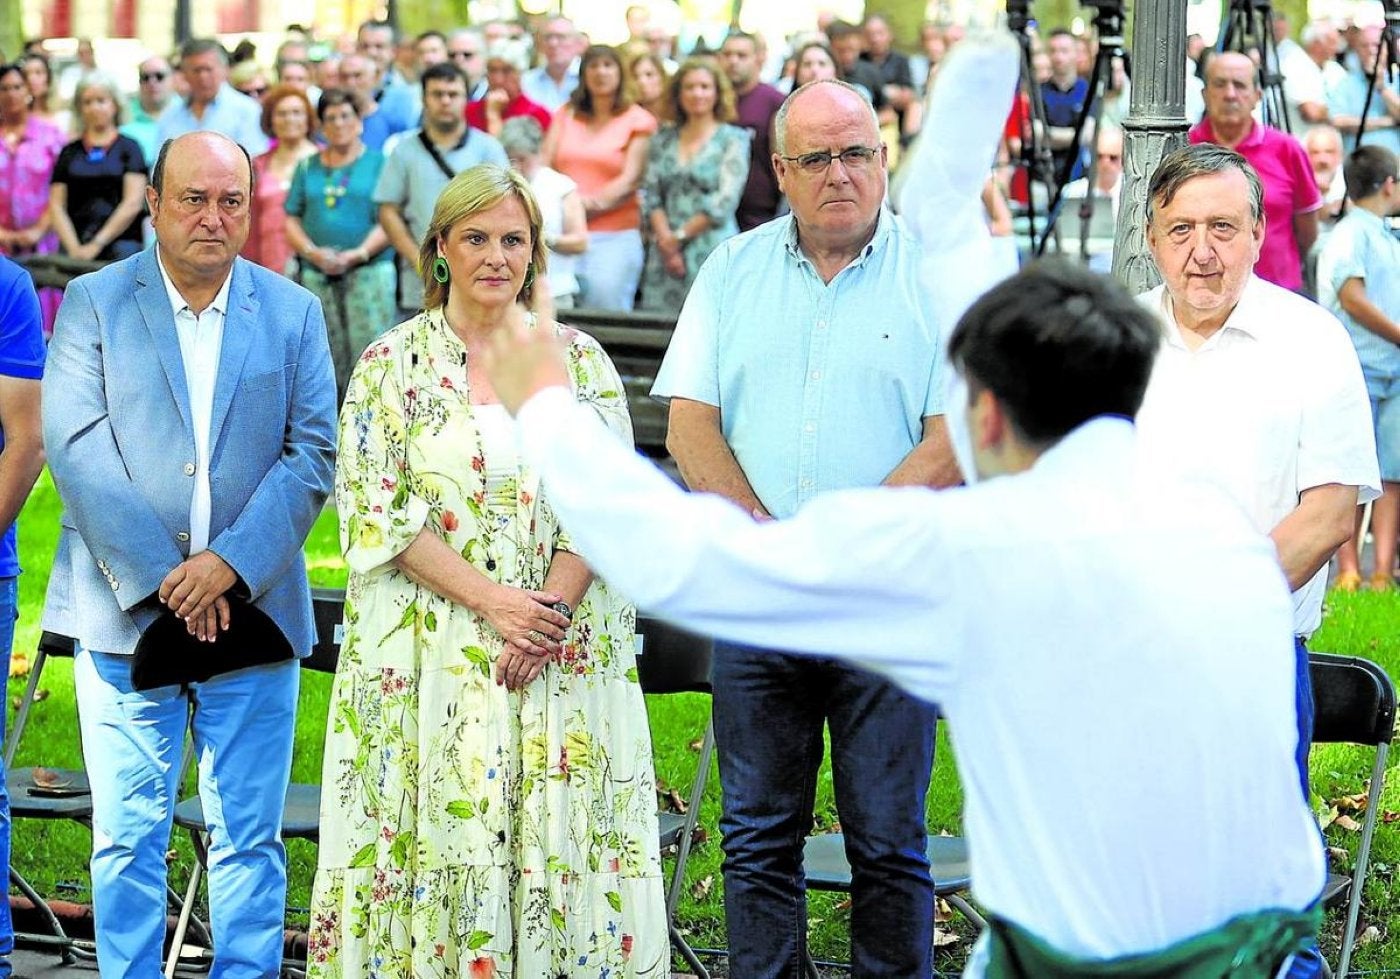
x,y
679,943
45,912
809,967
968,911
177,941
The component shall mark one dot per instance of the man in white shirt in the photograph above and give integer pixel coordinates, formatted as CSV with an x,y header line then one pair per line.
x,y
1256,388
1055,613
190,428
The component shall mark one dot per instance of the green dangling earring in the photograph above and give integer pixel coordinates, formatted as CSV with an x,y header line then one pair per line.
x,y
529,277
441,273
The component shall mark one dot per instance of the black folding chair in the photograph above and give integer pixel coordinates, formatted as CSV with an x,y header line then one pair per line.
x,y
670,661
301,812
828,869
1355,704
59,794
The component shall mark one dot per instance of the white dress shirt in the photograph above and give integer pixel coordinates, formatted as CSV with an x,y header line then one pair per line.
x,y
1271,405
201,339
1125,736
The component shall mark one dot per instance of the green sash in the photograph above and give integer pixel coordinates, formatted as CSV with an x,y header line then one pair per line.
x,y
1252,946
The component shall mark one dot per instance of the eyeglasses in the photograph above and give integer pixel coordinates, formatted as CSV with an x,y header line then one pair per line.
x,y
1111,157
852,158
153,76
464,55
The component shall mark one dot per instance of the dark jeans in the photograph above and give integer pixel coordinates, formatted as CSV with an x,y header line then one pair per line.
x,y
1304,705
769,709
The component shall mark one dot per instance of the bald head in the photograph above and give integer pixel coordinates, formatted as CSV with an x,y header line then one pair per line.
x,y
1231,93
819,98
200,197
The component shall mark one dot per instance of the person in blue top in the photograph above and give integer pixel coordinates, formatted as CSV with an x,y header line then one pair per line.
x,y
1358,282
21,459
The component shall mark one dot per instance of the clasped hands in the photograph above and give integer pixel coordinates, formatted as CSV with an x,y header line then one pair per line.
x,y
532,630
195,592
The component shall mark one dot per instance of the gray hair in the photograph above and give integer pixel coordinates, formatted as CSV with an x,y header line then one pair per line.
x,y
780,120
522,136
1316,30
108,84
1200,160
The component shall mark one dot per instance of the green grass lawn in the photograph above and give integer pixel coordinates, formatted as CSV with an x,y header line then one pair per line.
x,y
54,855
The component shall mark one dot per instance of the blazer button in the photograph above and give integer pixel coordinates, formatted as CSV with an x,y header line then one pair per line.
x,y
182,536
189,469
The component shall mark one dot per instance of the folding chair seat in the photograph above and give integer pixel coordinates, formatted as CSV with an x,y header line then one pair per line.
x,y
61,793
672,661
1355,704
827,869
301,812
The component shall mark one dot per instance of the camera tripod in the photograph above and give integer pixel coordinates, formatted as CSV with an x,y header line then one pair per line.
x,y
1387,54
1035,151
1254,19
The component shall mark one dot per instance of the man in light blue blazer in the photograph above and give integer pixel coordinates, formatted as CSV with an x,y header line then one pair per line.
x,y
189,423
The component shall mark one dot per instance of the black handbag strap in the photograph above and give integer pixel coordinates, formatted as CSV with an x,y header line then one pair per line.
x,y
437,156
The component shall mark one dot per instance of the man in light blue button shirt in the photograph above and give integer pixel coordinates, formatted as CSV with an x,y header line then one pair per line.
x,y
1359,282
807,358
212,103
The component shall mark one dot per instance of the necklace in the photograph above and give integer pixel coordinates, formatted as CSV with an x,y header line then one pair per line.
x,y
338,180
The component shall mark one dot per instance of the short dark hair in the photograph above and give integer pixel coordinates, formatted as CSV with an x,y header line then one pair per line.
x,y
1367,170
378,25
1061,32
1201,160
1057,345
158,171
196,46
444,71
737,35
332,97
429,34
838,29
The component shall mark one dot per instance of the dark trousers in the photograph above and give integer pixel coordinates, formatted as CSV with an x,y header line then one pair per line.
x,y
769,709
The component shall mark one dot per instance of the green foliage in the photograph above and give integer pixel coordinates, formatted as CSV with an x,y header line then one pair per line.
x,y
54,855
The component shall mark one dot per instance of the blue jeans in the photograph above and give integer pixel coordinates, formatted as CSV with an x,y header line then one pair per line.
x,y
610,270
8,611
1303,703
241,723
769,709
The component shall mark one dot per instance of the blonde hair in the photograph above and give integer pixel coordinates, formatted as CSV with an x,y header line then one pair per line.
x,y
472,191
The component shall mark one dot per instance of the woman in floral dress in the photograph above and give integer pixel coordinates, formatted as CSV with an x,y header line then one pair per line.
x,y
696,171
488,805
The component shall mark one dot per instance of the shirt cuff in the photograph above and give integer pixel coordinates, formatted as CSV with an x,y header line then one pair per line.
x,y
544,406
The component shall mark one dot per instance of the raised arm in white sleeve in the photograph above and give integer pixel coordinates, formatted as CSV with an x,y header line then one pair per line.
x,y
854,574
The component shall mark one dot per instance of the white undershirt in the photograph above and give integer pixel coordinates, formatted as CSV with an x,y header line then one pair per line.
x,y
201,339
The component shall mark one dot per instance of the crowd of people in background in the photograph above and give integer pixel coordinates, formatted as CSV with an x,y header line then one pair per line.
x,y
637,251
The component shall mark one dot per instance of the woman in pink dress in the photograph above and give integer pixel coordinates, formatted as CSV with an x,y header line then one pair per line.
x,y
599,140
29,148
286,117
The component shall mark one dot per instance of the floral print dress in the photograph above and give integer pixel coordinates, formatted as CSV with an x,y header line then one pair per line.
x,y
467,830
710,183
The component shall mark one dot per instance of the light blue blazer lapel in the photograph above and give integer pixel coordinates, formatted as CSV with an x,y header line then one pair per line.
x,y
240,330
154,303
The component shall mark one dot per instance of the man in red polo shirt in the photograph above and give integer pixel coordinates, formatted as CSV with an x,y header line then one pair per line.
x,y
504,98
1291,197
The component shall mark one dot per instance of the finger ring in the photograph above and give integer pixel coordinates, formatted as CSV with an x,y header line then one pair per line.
x,y
536,636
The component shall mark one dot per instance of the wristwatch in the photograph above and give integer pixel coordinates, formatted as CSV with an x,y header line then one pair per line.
x,y
563,609
682,236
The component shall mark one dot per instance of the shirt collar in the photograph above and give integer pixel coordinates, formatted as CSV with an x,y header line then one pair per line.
x,y
1098,444
178,302
1245,318
884,222
1253,138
